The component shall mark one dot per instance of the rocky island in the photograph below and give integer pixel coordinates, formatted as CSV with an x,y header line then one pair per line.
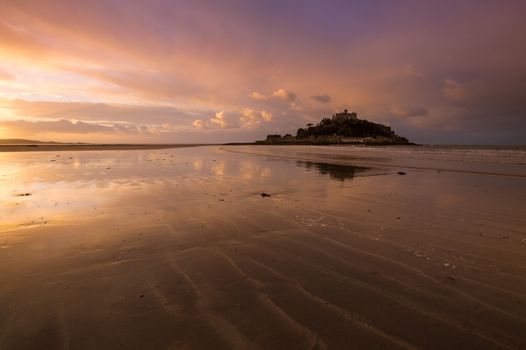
x,y
342,128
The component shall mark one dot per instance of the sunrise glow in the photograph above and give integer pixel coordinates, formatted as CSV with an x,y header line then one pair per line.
x,y
186,71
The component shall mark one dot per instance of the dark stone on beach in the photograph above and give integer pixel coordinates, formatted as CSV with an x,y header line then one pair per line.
x,y
402,173
265,195
141,296
23,194
451,278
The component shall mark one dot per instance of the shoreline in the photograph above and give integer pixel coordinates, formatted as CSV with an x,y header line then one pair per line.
x,y
4,148
7,148
376,161
92,147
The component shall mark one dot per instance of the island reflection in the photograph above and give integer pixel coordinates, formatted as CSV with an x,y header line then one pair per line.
x,y
338,172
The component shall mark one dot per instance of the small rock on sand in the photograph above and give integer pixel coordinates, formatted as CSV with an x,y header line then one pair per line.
x,y
265,195
402,173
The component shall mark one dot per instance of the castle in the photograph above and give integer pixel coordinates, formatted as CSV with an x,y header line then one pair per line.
x,y
343,128
344,116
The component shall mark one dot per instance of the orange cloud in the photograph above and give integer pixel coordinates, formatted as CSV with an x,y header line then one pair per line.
x,y
198,124
250,118
219,120
257,96
285,95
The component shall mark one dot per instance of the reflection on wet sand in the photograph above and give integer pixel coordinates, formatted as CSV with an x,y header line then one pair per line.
x,y
162,249
338,172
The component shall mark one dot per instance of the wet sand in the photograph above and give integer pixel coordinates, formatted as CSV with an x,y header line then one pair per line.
x,y
86,147
177,249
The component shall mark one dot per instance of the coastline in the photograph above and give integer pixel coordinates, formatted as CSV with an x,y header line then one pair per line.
x,y
90,147
469,159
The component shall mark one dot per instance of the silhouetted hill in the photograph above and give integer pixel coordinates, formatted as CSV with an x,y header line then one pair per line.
x,y
342,128
26,142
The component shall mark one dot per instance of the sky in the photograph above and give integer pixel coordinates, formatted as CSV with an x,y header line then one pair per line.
x,y
207,71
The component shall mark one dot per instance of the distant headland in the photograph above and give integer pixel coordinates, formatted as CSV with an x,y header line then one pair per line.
x,y
342,128
23,145
27,142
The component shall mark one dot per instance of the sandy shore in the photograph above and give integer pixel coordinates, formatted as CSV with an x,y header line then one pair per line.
x,y
176,249
87,147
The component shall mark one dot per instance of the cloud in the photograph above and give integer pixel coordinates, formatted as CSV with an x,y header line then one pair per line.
x,y
251,119
64,126
6,76
409,111
410,70
322,98
220,120
245,118
285,95
257,96
267,116
198,124
88,111
280,94
453,90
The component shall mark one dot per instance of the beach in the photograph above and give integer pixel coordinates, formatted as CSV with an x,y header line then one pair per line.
x,y
61,147
353,247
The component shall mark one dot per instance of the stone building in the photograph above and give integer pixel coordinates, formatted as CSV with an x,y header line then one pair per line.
x,y
345,115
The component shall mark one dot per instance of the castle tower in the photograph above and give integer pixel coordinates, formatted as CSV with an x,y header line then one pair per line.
x,y
345,115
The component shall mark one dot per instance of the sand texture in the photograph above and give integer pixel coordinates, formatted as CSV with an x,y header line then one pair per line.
x,y
177,249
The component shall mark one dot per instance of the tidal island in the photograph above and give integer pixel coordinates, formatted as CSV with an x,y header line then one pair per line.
x,y
341,128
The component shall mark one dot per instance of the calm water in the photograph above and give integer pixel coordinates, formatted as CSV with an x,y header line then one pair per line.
x,y
34,187
479,159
